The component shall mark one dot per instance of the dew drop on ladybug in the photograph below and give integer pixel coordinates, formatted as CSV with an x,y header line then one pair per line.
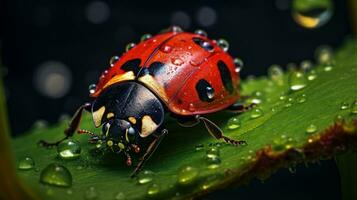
x,y
177,61
210,92
223,44
91,88
201,32
113,60
145,37
175,29
129,46
238,64
166,48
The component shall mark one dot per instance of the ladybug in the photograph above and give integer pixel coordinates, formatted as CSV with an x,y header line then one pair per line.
x,y
181,73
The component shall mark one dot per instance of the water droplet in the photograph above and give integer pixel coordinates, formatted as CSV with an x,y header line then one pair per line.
x,y
354,107
212,159
256,113
238,64
91,194
233,123
306,65
187,175
210,92
26,163
283,142
312,128
69,149
201,32
344,106
199,147
129,46
166,48
328,66
312,75
339,119
282,97
119,196
177,61
145,177
276,74
323,54
40,124
312,13
92,88
57,175
289,102
223,44
113,60
153,189
297,81
301,98
175,29
292,170
145,37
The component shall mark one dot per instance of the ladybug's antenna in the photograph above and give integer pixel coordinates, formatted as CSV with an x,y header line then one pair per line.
x,y
136,148
94,137
128,159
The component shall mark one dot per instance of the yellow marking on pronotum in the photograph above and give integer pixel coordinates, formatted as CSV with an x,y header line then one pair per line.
x,y
148,126
132,120
97,116
154,86
110,115
120,78
110,143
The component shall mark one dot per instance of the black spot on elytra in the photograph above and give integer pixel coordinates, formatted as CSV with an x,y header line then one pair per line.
x,y
132,65
203,43
204,90
225,76
156,68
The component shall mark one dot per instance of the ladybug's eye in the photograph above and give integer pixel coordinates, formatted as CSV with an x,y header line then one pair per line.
x,y
203,43
130,135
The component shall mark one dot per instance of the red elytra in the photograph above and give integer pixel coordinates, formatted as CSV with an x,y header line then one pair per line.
x,y
187,59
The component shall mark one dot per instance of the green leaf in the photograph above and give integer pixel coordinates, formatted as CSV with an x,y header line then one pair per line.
x,y
290,131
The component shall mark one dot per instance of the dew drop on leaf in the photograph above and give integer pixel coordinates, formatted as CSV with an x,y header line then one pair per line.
x,y
233,123
26,163
153,190
344,106
56,175
91,194
275,73
187,175
354,107
301,98
69,149
323,54
199,147
306,65
256,113
145,177
312,128
119,196
311,75
297,81
312,13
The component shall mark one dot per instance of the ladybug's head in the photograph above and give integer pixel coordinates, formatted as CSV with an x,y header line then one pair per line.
x,y
120,136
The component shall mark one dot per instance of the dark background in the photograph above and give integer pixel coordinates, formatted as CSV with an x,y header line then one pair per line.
x,y
75,39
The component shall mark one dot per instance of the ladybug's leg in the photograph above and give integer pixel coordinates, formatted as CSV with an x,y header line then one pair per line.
x,y
188,121
217,133
73,126
149,151
239,107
